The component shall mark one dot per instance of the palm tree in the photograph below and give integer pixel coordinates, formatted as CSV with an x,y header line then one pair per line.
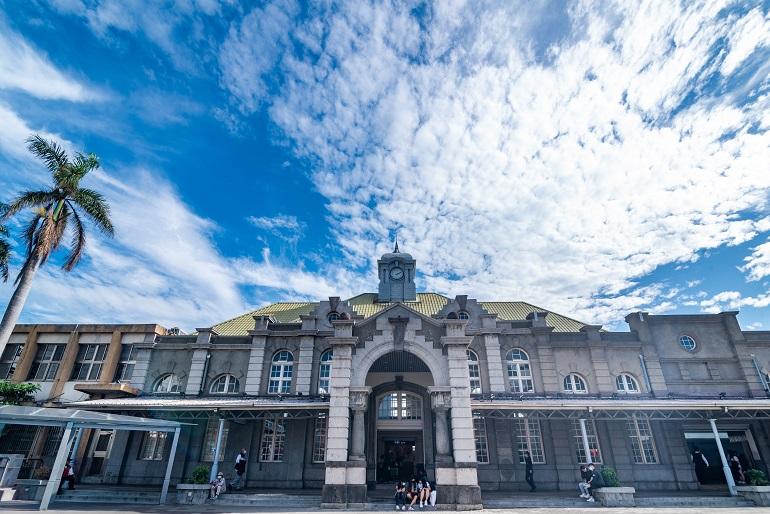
x,y
5,253
55,211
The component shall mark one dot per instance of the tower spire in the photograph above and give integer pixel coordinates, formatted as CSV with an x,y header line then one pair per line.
x,y
395,249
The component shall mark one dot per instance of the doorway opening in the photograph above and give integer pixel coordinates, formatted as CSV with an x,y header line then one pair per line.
x,y
737,442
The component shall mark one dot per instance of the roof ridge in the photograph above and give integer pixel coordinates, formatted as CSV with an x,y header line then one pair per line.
x,y
252,311
536,307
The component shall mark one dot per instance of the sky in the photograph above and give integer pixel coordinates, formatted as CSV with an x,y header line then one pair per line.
x,y
591,158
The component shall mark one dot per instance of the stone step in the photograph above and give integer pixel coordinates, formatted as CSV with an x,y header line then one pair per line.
x,y
543,502
693,501
269,500
108,496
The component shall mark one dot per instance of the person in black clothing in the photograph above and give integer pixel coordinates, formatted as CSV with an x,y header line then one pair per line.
x,y
400,496
529,472
592,481
701,464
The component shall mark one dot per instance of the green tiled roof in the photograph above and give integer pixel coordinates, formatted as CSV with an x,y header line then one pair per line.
x,y
365,305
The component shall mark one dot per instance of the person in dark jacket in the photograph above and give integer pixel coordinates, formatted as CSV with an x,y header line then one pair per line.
x,y
240,469
529,472
592,482
736,468
583,484
701,464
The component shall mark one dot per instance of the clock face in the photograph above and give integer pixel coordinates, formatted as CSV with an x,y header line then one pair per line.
x,y
396,273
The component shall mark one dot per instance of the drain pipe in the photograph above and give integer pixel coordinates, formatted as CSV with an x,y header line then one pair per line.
x,y
645,373
760,374
205,373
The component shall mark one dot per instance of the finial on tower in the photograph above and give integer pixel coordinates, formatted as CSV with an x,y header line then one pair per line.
x,y
395,249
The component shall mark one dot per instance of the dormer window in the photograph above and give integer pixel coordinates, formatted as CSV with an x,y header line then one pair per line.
x,y
333,316
463,315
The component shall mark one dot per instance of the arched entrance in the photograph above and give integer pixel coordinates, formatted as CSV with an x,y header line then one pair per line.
x,y
399,425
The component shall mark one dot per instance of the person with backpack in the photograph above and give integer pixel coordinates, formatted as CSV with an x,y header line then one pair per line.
x,y
240,469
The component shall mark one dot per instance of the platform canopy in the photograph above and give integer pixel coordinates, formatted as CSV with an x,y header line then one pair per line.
x,y
51,417
73,422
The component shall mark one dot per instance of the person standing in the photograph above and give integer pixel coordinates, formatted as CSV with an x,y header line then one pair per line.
x,y
736,468
529,472
67,475
240,469
701,464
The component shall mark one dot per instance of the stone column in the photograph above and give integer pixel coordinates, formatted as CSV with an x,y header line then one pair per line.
x,y
112,359
359,397
460,484
305,364
257,356
66,365
196,379
345,480
441,399
27,357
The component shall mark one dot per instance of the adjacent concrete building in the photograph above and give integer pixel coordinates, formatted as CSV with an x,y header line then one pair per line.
x,y
348,396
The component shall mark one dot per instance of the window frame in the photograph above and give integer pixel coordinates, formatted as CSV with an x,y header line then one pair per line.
x,y
275,437
125,362
638,451
593,436
209,444
573,379
281,376
527,431
684,343
325,371
10,362
517,365
399,412
622,382
171,376
92,364
480,440
48,363
229,381
463,315
474,371
320,435
153,450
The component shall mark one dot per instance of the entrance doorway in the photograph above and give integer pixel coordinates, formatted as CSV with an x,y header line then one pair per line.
x,y
401,456
737,442
100,451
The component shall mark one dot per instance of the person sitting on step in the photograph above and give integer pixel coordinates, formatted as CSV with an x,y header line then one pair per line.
x,y
217,486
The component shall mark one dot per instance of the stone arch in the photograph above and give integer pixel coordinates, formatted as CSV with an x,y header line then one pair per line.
x,y
433,358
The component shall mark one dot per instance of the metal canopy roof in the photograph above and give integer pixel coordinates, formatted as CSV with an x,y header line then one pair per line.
x,y
255,403
44,416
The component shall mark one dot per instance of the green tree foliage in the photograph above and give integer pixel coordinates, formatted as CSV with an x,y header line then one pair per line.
x,y
12,393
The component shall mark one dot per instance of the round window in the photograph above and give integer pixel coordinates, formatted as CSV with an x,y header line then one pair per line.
x,y
687,343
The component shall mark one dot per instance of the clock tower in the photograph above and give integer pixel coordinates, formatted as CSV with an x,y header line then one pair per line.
x,y
396,272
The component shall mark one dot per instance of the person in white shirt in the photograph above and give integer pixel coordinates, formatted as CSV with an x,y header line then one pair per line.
x,y
240,469
217,486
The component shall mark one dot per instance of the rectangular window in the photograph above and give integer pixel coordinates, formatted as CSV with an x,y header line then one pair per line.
x,y
480,438
153,445
280,378
46,362
642,442
529,438
475,376
319,438
88,365
10,359
126,365
593,442
273,439
210,441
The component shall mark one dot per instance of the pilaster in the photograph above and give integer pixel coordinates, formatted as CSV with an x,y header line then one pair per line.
x,y
598,359
65,366
110,364
494,363
256,356
27,358
305,365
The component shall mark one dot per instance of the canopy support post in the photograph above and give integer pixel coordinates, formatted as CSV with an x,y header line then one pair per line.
x,y
217,450
586,446
169,466
58,466
725,465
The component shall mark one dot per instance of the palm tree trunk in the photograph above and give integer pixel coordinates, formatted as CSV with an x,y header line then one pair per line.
x,y
13,311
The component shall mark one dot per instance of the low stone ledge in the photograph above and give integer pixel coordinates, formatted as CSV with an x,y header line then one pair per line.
x,y
615,496
759,494
30,489
192,494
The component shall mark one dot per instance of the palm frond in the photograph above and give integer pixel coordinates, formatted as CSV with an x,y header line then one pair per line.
x,y
49,235
30,233
5,257
78,242
49,151
69,177
28,199
95,207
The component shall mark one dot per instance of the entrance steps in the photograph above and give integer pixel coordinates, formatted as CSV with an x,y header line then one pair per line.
x,y
110,495
693,501
266,500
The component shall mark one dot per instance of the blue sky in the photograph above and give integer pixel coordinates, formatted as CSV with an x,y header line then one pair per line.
x,y
594,159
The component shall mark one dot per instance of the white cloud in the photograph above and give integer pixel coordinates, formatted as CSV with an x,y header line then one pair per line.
x,y
288,228
758,263
733,300
558,177
26,69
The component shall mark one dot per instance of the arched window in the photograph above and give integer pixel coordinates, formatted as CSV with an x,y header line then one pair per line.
x,y
333,316
281,371
400,406
325,372
574,383
225,384
519,372
687,343
463,315
626,383
474,372
168,383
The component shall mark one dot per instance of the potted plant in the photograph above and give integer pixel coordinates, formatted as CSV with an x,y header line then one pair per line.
x,y
758,489
196,491
33,488
610,493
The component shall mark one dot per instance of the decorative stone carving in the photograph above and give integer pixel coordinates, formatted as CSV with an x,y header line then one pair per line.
x,y
440,398
359,398
399,331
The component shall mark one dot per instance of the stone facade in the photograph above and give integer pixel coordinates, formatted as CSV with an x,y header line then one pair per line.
x,y
459,392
